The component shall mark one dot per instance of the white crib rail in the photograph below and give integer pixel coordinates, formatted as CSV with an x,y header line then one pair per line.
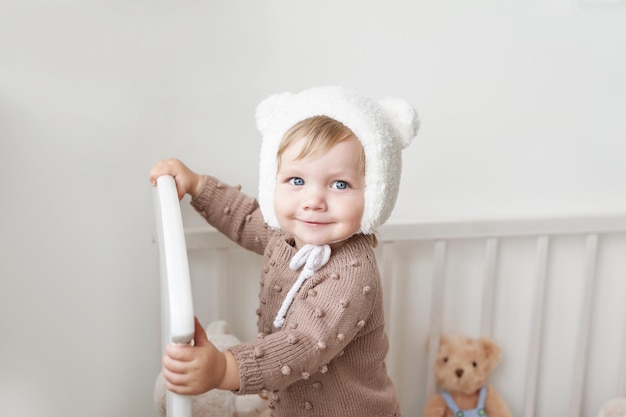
x,y
582,345
176,298
537,328
492,231
440,240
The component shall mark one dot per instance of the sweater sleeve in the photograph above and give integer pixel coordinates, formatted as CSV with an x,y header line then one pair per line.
x,y
233,213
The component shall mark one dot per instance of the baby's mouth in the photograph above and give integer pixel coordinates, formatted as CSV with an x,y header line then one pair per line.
x,y
313,223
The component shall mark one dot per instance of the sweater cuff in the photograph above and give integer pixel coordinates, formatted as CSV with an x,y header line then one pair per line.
x,y
209,184
250,374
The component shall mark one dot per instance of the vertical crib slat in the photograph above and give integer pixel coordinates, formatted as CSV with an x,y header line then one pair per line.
x,y
491,260
390,292
436,312
221,296
536,326
582,343
621,382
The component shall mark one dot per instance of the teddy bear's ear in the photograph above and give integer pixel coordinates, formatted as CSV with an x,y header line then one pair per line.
x,y
267,108
444,339
492,351
403,118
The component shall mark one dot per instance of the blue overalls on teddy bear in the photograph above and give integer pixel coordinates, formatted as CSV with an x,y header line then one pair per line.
x,y
479,411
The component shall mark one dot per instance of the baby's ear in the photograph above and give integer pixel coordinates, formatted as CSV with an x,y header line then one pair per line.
x,y
403,118
267,108
492,351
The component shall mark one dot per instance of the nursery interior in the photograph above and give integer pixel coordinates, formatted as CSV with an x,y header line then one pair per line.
x,y
549,291
510,220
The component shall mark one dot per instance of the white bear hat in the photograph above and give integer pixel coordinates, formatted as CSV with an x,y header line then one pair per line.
x,y
384,128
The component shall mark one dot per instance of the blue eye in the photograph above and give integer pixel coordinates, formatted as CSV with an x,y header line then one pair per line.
x,y
340,185
296,181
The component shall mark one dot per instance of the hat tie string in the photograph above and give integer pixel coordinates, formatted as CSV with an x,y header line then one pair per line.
x,y
311,258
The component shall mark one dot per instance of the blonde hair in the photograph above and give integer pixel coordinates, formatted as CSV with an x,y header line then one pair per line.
x,y
320,134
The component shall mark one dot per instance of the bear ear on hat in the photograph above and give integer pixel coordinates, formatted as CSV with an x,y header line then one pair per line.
x,y
403,118
267,108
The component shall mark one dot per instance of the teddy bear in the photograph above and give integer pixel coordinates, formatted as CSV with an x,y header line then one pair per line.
x,y
615,407
216,403
462,368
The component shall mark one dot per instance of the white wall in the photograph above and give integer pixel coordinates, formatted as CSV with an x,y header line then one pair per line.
x,y
523,107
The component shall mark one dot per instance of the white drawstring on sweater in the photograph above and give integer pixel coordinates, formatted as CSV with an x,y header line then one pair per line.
x,y
313,257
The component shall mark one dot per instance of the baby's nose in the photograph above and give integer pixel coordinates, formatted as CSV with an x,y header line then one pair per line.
x,y
314,199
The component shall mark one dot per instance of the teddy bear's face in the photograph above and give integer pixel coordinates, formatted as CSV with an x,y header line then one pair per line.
x,y
464,364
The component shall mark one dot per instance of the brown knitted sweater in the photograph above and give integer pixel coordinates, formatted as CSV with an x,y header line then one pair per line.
x,y
328,358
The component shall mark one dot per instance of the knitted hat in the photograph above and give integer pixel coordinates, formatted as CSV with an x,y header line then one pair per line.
x,y
384,129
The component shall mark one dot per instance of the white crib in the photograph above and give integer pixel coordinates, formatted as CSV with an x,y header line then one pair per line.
x,y
551,292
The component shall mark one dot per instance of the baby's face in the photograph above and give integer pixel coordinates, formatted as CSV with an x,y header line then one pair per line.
x,y
321,199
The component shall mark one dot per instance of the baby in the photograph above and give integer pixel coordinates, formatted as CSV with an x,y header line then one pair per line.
x,y
329,174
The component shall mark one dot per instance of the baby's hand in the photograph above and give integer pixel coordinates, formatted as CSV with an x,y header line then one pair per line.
x,y
193,370
187,181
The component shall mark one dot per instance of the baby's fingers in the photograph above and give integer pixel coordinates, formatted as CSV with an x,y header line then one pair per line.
x,y
165,167
158,169
183,353
178,383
